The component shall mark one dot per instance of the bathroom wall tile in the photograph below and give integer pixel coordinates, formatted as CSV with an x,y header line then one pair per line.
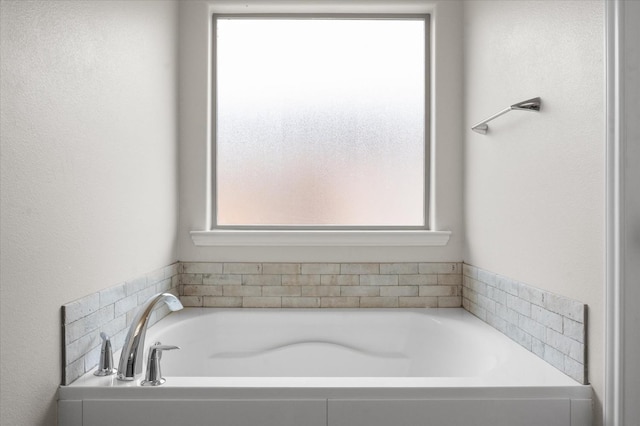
x,y
242,268
399,268
340,279
437,290
417,302
135,285
320,268
359,268
281,290
439,268
300,302
222,302
301,279
116,306
81,308
269,280
551,326
361,290
573,329
112,294
201,268
339,302
450,302
202,290
191,279
322,291
418,279
221,279
281,268
449,279
404,290
191,301
378,280
378,302
236,290
469,271
261,302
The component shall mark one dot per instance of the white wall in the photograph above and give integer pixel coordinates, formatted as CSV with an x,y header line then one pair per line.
x,y
195,51
534,185
89,172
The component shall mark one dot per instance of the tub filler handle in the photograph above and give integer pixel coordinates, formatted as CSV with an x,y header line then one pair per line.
x,y
154,375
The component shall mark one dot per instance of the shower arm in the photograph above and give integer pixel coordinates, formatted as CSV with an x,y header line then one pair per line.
x,y
528,105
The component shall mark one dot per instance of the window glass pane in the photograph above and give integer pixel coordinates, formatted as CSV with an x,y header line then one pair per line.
x,y
320,122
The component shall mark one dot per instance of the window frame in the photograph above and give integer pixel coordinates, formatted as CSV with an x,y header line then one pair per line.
x,y
281,231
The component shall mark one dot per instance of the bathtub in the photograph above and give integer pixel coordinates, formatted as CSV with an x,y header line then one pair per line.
x,y
332,367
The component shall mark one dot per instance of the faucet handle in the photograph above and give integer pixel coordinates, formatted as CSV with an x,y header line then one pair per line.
x,y
105,367
154,375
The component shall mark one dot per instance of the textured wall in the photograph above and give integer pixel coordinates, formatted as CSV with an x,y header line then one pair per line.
x,y
534,185
88,169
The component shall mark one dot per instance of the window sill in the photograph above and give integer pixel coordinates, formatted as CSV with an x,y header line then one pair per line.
x,y
271,238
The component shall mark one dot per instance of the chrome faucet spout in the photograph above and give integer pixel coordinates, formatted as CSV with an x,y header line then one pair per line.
x,y
130,365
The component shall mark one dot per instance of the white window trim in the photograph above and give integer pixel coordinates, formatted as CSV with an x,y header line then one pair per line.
x,y
385,241
319,238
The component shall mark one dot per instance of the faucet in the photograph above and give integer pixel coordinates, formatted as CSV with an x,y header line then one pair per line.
x,y
130,366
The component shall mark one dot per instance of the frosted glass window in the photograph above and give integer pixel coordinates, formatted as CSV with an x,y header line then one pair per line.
x,y
320,122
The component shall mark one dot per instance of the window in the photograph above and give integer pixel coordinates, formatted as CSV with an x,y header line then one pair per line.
x,y
320,122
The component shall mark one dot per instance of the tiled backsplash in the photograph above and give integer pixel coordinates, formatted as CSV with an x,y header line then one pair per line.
x,y
110,311
321,285
551,326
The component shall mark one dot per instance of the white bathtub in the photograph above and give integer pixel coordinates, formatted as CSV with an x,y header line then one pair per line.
x,y
334,367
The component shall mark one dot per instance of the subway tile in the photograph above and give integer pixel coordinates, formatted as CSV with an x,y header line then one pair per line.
x,y
437,290
547,318
508,285
519,336
321,268
222,302
191,301
486,304
554,357
339,302
487,277
378,302
565,307
191,279
164,286
271,280
281,290
405,290
202,290
507,314
261,302
417,279
573,329
469,271
449,302
360,291
521,306
359,268
399,268
300,302
171,270
136,285
201,268
145,294
565,345
81,308
340,279
378,280
417,302
281,268
242,268
221,279
531,294
532,327
74,371
155,277
496,322
575,370
297,280
439,268
112,294
497,295
321,291
237,290
91,322
76,349
449,279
